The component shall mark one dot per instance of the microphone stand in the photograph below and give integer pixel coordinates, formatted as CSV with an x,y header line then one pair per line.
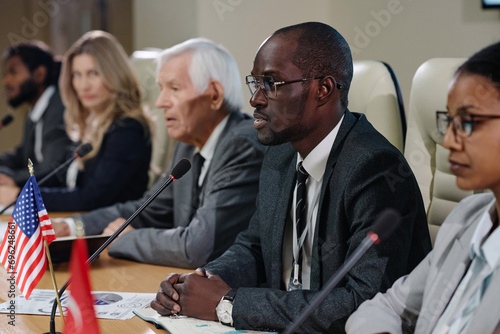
x,y
110,240
332,283
42,181
55,171
385,224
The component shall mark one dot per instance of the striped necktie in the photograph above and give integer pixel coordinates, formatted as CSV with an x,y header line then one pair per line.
x,y
300,224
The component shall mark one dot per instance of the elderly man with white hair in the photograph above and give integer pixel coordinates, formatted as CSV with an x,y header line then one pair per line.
x,y
196,219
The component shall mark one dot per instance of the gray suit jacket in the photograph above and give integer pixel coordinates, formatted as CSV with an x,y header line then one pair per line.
x,y
173,232
54,142
364,175
415,302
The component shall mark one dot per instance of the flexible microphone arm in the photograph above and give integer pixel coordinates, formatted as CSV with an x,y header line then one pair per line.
x,y
386,223
178,171
82,151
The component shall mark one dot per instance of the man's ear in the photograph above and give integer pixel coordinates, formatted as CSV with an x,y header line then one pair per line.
x,y
216,91
327,90
39,75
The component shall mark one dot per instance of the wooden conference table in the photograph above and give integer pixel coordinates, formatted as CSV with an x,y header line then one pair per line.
x,y
106,274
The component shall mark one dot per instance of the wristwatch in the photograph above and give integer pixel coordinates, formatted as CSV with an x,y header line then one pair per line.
x,y
225,308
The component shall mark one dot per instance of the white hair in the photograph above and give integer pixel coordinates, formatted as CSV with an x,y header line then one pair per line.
x,y
209,61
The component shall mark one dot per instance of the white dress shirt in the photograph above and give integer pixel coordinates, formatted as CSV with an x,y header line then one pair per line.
x,y
207,151
315,165
35,114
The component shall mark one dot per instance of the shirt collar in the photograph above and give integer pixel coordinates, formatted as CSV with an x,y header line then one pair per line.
x,y
488,248
42,103
315,162
207,151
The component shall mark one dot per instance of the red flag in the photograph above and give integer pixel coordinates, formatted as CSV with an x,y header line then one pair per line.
x,y
80,317
22,252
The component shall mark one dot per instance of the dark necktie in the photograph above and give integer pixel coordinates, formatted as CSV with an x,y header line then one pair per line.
x,y
198,162
300,223
301,201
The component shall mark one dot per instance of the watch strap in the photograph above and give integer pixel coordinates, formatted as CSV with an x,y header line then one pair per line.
x,y
228,301
230,295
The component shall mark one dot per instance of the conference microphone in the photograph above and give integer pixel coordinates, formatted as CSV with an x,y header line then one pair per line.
x,y
6,121
80,152
385,224
177,172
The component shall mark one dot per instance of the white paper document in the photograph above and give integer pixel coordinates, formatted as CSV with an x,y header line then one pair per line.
x,y
182,324
108,304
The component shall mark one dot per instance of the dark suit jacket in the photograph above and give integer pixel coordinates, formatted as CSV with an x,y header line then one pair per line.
x,y
174,231
55,144
364,175
119,172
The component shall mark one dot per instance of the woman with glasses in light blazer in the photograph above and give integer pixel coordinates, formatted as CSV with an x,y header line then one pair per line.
x,y
455,289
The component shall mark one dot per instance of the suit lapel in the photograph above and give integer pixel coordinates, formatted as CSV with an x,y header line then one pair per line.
x,y
283,199
187,189
234,118
346,126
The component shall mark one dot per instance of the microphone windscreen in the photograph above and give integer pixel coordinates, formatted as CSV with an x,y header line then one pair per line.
x,y
6,120
84,150
181,168
386,223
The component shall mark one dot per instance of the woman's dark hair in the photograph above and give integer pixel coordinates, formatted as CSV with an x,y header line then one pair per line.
x,y
486,62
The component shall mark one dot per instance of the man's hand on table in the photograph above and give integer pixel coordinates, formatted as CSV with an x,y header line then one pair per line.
x,y
61,229
195,295
115,225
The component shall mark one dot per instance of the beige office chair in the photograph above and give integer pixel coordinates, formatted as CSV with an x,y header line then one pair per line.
x,y
423,150
144,65
375,92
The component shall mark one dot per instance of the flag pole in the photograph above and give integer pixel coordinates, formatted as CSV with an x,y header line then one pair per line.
x,y
31,171
54,280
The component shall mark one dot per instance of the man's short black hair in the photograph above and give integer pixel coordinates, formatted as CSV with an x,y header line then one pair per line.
x,y
34,54
322,51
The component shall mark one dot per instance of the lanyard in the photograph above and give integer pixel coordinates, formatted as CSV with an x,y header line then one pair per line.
x,y
298,243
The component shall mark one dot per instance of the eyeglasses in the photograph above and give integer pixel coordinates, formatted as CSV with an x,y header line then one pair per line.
x,y
267,84
462,124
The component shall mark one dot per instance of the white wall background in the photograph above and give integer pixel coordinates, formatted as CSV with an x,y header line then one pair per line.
x,y
403,33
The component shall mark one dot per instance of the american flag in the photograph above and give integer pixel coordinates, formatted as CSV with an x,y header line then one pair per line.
x,y
22,252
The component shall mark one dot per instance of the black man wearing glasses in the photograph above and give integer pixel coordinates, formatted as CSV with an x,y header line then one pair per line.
x,y
325,178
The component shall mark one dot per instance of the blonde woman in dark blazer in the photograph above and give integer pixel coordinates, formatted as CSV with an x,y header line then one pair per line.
x,y
103,107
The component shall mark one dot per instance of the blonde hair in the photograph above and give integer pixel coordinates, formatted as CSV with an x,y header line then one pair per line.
x,y
116,72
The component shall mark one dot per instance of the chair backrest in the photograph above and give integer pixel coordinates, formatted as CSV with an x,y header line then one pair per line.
x,y
144,65
423,150
375,92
